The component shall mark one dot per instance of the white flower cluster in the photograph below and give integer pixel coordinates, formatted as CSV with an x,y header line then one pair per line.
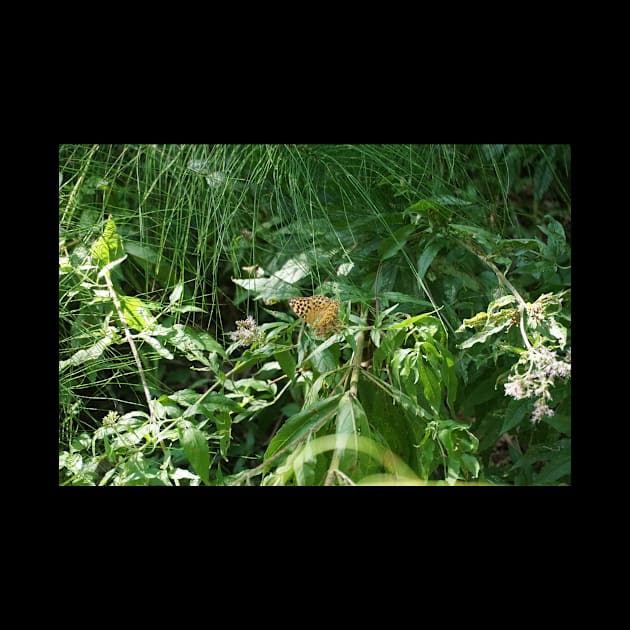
x,y
543,367
246,332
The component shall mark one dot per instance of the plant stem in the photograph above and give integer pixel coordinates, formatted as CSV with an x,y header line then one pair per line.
x,y
354,386
134,350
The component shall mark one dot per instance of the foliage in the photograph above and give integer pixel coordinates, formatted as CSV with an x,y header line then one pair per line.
x,y
181,362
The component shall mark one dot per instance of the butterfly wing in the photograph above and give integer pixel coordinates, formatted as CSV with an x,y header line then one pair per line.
x,y
319,311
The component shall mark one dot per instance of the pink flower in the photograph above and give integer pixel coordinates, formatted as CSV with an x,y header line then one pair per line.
x,y
246,331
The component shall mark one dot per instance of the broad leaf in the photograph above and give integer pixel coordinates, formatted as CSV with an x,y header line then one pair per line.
x,y
350,416
136,313
392,245
213,402
195,447
300,423
429,253
89,354
107,248
515,412
480,337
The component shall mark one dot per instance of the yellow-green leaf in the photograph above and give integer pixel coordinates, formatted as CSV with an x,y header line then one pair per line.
x,y
136,313
107,247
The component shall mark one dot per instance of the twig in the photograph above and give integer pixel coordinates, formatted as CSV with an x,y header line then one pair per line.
x,y
134,350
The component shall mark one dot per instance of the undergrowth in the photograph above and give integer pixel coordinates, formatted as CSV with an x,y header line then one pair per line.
x,y
181,362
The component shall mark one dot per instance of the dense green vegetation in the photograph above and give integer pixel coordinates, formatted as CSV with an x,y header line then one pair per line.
x,y
182,363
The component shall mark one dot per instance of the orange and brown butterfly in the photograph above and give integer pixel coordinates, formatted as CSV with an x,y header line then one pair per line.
x,y
319,311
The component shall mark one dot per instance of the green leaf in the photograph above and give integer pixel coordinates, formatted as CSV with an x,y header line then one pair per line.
x,y
429,456
194,344
402,298
88,354
496,305
346,421
184,397
286,361
268,289
143,252
300,423
325,358
453,469
223,422
350,415
556,246
466,441
429,253
196,448
422,206
213,402
435,209
555,469
480,337
176,293
433,324
392,245
431,385
108,267
446,438
479,393
182,473
387,419
518,246
157,346
485,238
554,229
448,373
398,362
558,331
471,463
533,269
166,408
293,270
515,412
108,247
560,422
392,340
244,385
136,313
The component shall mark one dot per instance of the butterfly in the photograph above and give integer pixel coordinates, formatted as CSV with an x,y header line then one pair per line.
x,y
319,311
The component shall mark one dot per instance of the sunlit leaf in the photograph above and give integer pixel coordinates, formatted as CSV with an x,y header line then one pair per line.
x,y
482,336
136,313
89,354
108,247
